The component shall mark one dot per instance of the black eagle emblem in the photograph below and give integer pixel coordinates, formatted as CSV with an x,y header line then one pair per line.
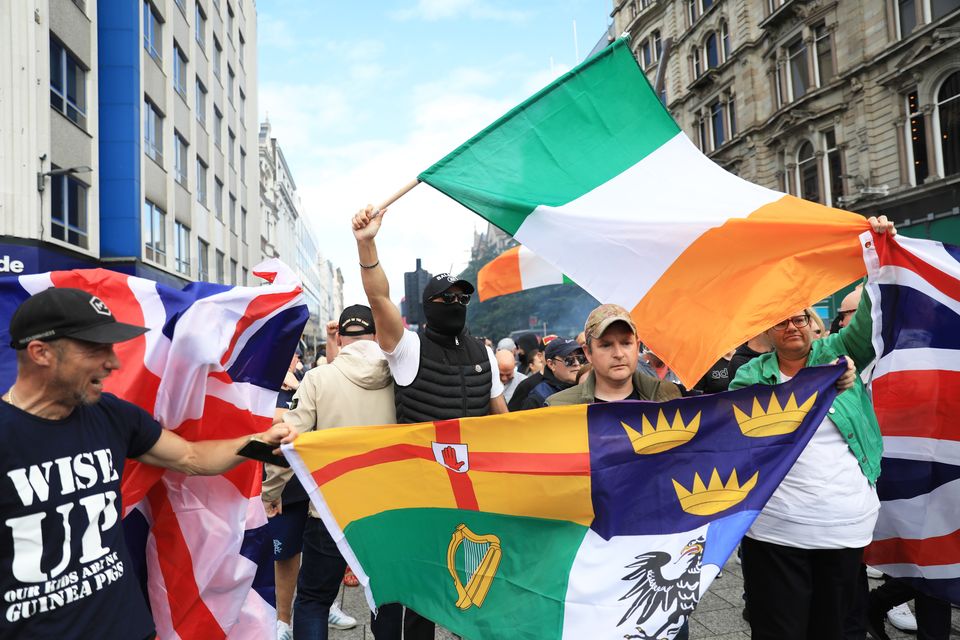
x,y
653,592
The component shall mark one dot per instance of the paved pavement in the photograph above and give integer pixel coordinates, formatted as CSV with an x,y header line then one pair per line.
x,y
718,617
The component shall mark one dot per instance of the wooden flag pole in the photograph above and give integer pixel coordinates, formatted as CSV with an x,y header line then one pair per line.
x,y
399,194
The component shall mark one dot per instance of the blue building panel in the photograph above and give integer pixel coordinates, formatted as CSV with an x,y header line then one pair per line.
x,y
118,37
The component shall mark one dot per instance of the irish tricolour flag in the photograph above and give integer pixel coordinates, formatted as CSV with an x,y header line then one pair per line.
x,y
606,521
516,269
594,176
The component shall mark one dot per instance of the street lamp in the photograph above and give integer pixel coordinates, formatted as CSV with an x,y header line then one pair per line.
x,y
69,171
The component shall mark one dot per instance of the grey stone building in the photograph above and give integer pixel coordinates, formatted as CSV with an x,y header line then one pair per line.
x,y
854,104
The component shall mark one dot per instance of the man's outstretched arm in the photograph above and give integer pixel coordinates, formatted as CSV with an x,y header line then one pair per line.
x,y
385,314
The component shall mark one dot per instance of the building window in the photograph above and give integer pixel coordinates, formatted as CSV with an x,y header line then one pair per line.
x,y
217,127
201,181
808,180
181,248
697,64
717,124
246,276
797,69
152,132
243,224
68,81
68,210
243,106
201,107
725,40
233,214
180,158
200,26
702,134
152,31
948,109
230,22
712,51
240,46
154,233
179,71
773,5
940,8
833,165
706,4
217,56
220,259
693,10
824,52
657,45
230,80
732,116
203,260
916,141
233,271
218,199
243,166
232,142
646,56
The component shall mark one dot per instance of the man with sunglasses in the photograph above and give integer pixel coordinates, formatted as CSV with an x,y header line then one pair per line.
x,y
443,373
563,361
802,555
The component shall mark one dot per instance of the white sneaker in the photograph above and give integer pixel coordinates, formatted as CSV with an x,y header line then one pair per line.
x,y
876,574
339,620
284,631
902,618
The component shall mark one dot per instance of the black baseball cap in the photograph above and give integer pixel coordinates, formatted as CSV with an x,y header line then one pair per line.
x,y
62,312
440,283
561,348
356,320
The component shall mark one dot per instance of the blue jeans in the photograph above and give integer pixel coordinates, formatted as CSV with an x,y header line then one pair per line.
x,y
321,572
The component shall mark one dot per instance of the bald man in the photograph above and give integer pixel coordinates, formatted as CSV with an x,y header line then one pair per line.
x,y
509,375
848,306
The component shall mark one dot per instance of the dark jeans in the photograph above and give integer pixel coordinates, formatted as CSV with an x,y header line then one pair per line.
x,y
933,615
393,619
798,594
321,571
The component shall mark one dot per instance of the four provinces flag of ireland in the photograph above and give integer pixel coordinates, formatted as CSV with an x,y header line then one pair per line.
x,y
590,521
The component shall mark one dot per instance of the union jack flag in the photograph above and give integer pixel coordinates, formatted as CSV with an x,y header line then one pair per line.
x,y
914,286
209,368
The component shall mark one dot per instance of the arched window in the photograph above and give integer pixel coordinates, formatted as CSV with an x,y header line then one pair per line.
x,y
948,108
697,64
712,51
808,182
725,40
657,44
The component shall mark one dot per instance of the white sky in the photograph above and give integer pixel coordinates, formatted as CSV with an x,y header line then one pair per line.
x,y
362,98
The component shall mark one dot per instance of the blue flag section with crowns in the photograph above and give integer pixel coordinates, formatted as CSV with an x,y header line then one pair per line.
x,y
675,486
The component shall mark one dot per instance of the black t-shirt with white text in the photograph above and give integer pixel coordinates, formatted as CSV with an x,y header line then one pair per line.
x,y
64,567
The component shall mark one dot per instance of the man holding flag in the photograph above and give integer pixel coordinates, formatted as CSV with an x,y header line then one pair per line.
x,y
66,571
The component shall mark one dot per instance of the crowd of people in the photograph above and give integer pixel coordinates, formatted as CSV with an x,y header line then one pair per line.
x,y
802,558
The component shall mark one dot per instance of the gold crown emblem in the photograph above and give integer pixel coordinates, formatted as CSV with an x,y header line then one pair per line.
x,y
715,497
664,436
776,420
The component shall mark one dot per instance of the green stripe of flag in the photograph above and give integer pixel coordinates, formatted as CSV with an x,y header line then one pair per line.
x,y
585,128
405,554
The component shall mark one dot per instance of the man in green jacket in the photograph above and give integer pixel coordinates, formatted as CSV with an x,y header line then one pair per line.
x,y
612,349
802,555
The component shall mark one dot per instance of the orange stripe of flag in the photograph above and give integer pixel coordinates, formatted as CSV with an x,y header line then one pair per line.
x,y
500,276
767,266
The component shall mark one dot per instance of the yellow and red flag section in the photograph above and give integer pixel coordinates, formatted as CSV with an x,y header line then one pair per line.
x,y
595,178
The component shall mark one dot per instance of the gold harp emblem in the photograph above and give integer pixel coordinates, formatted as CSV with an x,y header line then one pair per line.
x,y
481,558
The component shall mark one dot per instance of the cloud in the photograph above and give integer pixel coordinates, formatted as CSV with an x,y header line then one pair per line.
x,y
434,10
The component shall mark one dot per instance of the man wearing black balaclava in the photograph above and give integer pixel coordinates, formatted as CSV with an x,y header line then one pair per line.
x,y
443,374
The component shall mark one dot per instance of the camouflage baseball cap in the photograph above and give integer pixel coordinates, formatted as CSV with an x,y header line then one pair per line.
x,y
604,316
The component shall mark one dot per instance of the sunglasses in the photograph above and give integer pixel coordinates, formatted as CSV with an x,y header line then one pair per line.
x,y
450,297
572,361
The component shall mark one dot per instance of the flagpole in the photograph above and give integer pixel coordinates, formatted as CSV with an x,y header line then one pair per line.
x,y
399,194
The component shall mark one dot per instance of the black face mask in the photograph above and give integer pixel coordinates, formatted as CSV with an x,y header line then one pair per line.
x,y
446,319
